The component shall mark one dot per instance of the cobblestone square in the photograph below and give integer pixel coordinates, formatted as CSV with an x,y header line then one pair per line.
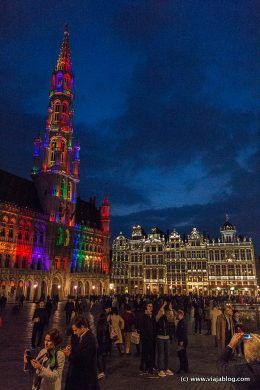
x,y
122,372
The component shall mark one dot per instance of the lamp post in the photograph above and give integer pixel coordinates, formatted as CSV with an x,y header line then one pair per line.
x,y
75,289
111,288
93,289
35,292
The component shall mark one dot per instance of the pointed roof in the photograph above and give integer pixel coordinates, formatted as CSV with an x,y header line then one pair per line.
x,y
64,60
227,224
106,201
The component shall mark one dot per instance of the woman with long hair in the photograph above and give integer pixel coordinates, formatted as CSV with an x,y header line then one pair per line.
x,y
48,364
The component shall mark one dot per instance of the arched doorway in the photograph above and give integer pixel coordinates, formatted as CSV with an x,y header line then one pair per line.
x,y
80,289
3,287
12,288
35,291
19,290
43,289
28,290
56,286
87,288
73,288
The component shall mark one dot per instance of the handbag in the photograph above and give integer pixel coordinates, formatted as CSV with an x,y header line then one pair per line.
x,y
135,338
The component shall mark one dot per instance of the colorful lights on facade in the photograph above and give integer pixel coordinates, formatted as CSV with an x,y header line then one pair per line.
x,y
55,249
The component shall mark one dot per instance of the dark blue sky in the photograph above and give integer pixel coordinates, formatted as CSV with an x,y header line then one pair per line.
x,y
166,104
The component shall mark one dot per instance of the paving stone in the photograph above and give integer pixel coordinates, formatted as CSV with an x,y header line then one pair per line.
x,y
122,371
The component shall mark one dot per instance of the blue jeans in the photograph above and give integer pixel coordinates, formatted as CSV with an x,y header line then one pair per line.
x,y
163,354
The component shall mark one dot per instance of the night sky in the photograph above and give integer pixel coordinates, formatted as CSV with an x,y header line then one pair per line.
x,y
165,108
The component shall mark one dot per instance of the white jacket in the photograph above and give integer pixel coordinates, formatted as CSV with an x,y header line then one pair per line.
x,y
51,379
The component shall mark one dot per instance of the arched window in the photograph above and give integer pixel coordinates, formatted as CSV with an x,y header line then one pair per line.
x,y
17,260
39,263
27,233
62,148
20,230
59,79
69,191
57,110
11,231
63,189
4,226
41,237
24,263
35,234
66,81
53,149
64,108
33,263
7,261
67,237
2,230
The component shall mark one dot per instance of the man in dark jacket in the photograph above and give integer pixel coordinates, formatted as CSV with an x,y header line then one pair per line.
x,y
163,340
198,314
147,337
69,308
182,341
82,372
40,320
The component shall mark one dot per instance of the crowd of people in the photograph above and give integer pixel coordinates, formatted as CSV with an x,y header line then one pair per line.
x,y
148,326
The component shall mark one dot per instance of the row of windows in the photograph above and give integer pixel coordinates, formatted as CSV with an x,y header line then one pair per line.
x,y
176,277
120,272
93,268
197,279
239,254
22,234
196,265
55,146
136,258
154,259
86,247
84,237
136,271
154,274
121,257
231,270
242,254
154,248
176,266
21,262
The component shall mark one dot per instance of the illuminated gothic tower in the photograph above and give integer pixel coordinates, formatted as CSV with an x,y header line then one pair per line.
x,y
57,178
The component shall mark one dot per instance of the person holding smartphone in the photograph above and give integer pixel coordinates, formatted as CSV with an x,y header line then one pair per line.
x,y
250,369
48,364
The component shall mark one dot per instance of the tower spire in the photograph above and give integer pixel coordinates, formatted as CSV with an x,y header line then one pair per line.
x,y
64,60
56,179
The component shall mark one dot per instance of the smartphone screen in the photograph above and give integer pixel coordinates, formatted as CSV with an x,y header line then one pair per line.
x,y
246,336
